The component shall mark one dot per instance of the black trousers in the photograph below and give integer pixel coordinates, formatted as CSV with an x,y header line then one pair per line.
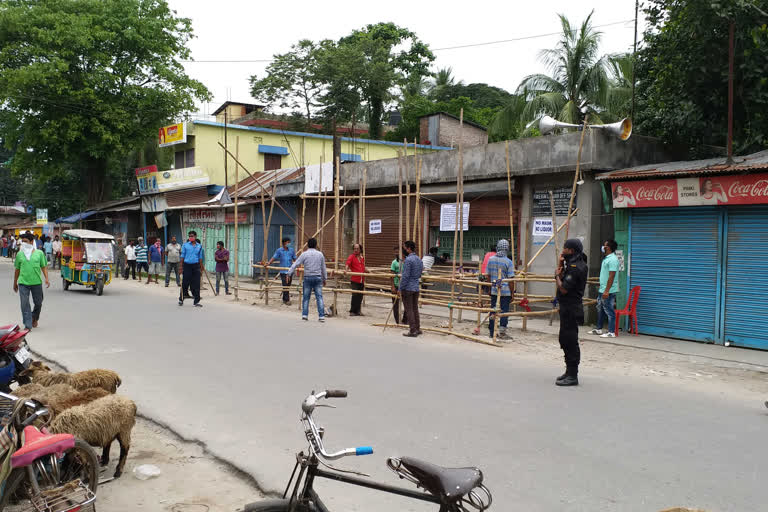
x,y
131,268
396,311
569,337
357,298
191,281
286,279
411,305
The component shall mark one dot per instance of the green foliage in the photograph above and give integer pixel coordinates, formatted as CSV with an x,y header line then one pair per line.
x,y
413,107
292,80
682,73
85,81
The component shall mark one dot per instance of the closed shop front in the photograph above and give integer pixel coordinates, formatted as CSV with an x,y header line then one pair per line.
x,y
696,247
217,224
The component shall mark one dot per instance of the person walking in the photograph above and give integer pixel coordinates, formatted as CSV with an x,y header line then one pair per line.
x,y
38,242
395,268
155,261
500,267
409,288
4,245
571,279
172,258
356,263
142,257
29,264
315,275
609,287
12,246
56,246
48,249
130,258
192,260
286,256
222,267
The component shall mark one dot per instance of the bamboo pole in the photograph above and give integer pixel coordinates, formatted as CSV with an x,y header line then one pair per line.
x,y
365,226
527,263
461,191
576,176
564,224
400,204
320,197
511,217
452,333
300,239
406,172
336,232
554,244
417,234
237,190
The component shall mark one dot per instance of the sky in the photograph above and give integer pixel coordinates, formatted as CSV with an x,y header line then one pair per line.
x,y
256,30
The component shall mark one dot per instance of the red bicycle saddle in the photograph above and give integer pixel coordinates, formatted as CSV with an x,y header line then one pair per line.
x,y
38,444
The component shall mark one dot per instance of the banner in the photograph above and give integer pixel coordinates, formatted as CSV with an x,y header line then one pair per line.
x,y
42,216
147,179
697,191
312,178
448,217
542,227
172,135
374,226
204,216
243,216
173,179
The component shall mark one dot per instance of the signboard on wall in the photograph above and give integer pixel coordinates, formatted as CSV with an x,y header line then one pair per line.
x,y
697,191
172,135
312,174
204,216
147,179
448,217
242,217
173,179
42,216
374,226
542,227
562,197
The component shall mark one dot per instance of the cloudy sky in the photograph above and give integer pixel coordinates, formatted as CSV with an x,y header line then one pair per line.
x,y
249,30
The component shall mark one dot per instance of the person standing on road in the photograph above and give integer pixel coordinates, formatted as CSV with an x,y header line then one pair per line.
x,y
155,261
395,268
222,267
609,287
356,263
38,242
48,248
12,246
4,245
192,260
315,275
571,279
409,288
286,256
172,258
130,258
56,245
500,267
30,263
142,260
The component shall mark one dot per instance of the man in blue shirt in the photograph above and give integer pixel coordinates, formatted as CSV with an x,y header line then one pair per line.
x,y
409,288
500,267
286,256
192,259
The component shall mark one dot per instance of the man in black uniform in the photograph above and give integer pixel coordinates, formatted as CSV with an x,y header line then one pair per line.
x,y
571,279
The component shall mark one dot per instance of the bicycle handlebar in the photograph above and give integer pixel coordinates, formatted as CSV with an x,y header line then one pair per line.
x,y
314,435
335,393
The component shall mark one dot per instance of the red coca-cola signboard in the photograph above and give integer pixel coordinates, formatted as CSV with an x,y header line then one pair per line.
x,y
696,191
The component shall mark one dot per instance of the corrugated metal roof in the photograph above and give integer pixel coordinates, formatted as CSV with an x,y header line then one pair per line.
x,y
250,188
187,196
740,164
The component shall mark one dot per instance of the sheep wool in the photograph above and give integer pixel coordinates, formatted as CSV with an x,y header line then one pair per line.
x,y
98,378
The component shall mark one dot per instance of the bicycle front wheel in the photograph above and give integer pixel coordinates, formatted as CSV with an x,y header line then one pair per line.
x,y
279,505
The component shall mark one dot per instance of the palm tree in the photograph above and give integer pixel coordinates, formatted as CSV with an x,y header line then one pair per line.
x,y
578,81
618,104
441,84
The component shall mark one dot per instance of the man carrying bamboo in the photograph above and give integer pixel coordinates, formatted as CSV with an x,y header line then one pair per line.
x,y
499,268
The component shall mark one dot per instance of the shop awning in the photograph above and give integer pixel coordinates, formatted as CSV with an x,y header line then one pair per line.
x,y
75,218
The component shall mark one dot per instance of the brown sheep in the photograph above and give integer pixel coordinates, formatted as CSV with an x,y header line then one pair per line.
x,y
42,374
99,423
59,397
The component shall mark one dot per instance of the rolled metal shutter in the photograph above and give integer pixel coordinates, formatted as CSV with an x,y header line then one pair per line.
x,y
675,258
746,308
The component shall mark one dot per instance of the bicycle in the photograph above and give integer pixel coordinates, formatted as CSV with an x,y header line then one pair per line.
x,y
49,472
453,489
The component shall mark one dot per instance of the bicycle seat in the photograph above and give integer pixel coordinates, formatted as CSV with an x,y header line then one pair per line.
x,y
446,483
38,444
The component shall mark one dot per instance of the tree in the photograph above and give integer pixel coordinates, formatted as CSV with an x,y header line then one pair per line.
x,y
85,81
618,101
442,84
362,70
292,80
682,70
577,83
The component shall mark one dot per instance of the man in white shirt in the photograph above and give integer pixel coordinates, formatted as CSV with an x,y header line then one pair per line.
x,y
429,259
130,258
56,245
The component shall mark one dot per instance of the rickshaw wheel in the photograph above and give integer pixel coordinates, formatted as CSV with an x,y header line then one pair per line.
x,y
65,283
99,287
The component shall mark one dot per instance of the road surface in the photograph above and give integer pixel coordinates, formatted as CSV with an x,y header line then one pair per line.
x,y
233,376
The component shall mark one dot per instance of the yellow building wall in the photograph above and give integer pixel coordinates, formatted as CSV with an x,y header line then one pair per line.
x,y
303,149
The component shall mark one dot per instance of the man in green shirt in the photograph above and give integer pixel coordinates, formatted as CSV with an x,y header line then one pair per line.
x,y
395,268
30,265
609,287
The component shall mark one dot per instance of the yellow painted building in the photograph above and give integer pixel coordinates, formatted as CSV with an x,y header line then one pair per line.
x,y
266,149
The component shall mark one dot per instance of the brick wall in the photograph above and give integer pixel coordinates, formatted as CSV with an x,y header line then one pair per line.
x,y
449,133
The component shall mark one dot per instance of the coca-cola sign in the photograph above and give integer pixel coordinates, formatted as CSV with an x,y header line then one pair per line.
x,y
697,191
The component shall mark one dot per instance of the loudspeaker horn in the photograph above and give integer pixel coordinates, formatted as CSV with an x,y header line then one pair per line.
x,y
621,129
548,124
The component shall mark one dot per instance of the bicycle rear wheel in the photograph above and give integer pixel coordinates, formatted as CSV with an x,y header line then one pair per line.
x,y
279,505
78,464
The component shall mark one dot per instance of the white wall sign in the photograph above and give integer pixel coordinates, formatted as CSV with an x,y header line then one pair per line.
x,y
620,255
374,227
448,217
542,227
312,178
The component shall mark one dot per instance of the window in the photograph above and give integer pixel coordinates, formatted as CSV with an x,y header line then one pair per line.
x,y
179,163
190,158
184,159
272,162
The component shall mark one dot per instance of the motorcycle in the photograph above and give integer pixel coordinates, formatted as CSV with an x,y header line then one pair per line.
x,y
13,341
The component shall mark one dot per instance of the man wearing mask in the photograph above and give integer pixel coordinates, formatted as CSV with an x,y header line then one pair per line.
x,y
142,257
499,266
286,256
30,263
155,261
130,258
571,279
609,287
410,277
172,258
192,259
57,253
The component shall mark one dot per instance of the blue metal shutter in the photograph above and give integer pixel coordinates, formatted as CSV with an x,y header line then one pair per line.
x,y
746,308
675,258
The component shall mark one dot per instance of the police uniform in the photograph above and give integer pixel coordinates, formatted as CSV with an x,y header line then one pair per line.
x,y
191,255
574,280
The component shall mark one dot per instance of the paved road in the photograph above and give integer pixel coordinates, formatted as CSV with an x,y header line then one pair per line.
x,y
233,377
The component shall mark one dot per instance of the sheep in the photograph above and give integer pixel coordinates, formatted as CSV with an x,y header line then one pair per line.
x,y
99,423
42,374
59,397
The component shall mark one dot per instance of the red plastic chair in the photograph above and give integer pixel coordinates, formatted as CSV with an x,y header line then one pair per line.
x,y
630,310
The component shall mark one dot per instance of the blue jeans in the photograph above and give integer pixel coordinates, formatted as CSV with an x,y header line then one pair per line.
x,y
606,309
506,300
27,313
225,276
313,284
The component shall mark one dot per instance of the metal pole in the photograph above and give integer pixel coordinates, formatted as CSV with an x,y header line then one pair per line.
x,y
731,31
226,154
237,189
634,61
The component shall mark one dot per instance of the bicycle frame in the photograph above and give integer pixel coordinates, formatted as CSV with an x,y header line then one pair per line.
x,y
309,464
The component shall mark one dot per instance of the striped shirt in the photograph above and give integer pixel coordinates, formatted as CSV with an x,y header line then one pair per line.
x,y
314,264
507,269
141,253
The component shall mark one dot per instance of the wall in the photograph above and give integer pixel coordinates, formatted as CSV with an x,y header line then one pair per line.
x,y
450,132
303,149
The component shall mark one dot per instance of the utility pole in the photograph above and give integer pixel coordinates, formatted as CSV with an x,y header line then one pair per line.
x,y
731,50
226,153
